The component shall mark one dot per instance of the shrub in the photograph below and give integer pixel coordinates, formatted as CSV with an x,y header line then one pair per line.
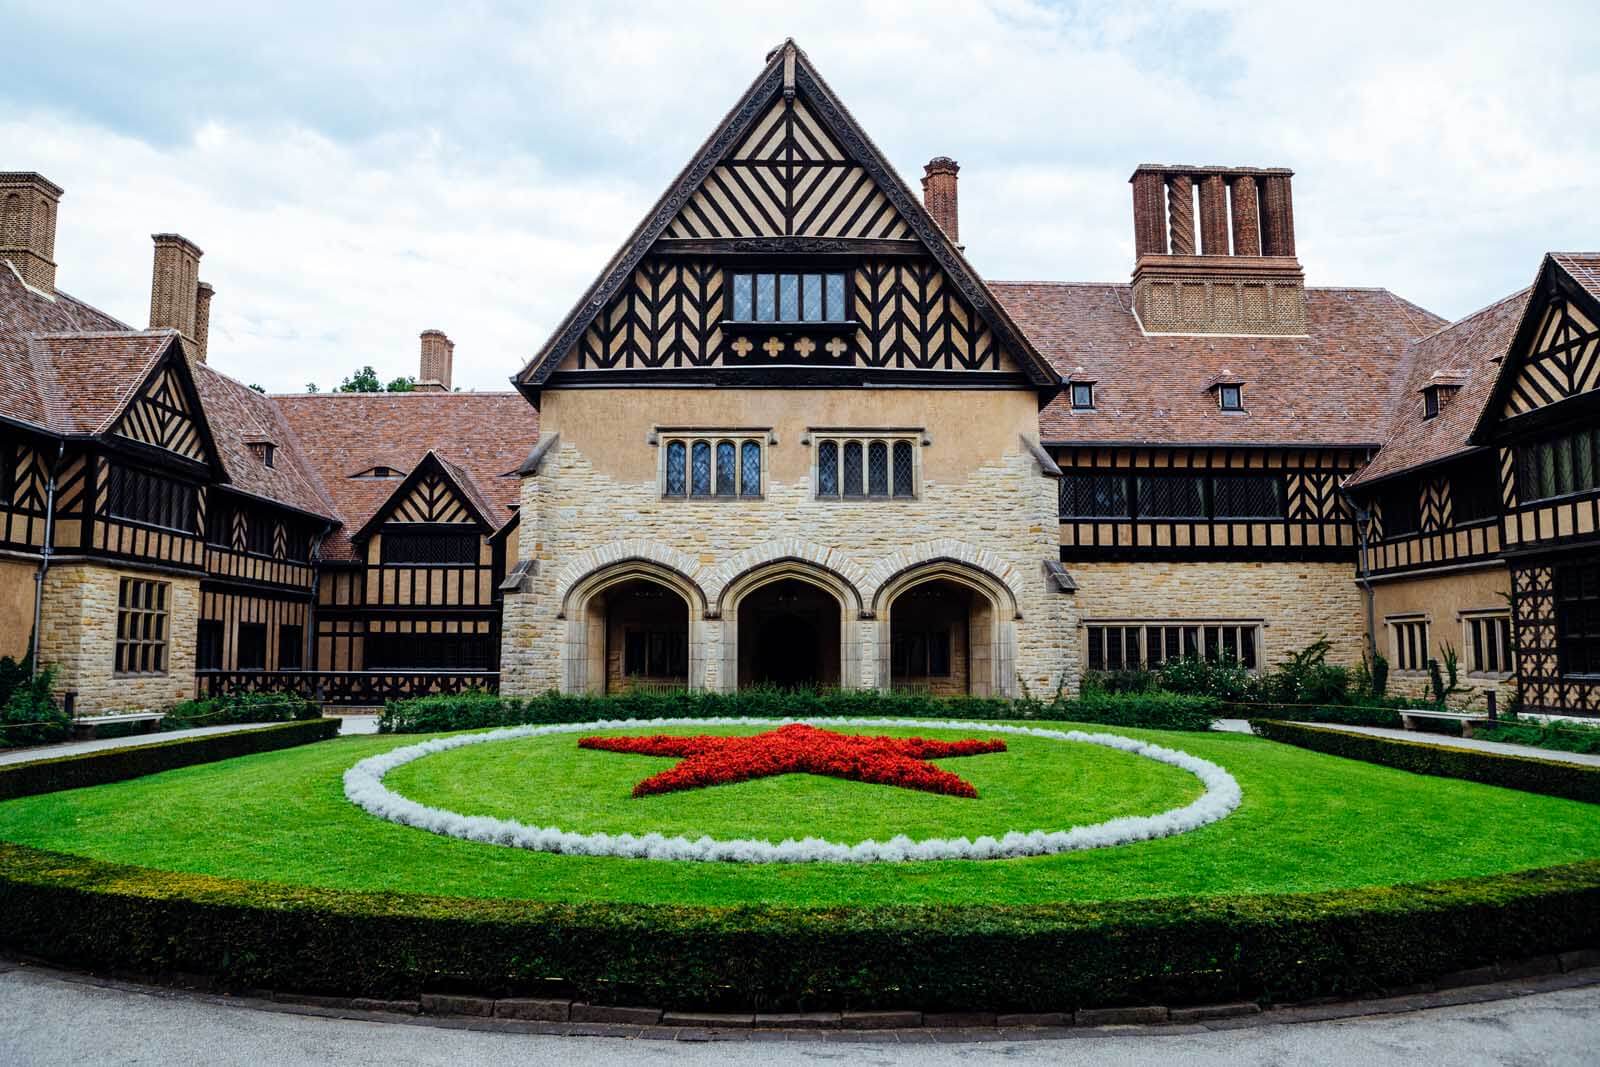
x,y
1119,681
1177,950
1556,734
1226,679
1570,780
1306,677
119,764
28,714
241,707
469,711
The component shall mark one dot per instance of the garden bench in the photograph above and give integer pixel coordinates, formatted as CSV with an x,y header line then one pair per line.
x,y
136,721
1468,720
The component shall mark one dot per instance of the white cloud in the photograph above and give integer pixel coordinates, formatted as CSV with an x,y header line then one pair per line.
x,y
471,168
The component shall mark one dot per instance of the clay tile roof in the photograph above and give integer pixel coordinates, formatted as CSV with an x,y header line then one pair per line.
x,y
479,435
87,379
1465,353
1583,267
1336,386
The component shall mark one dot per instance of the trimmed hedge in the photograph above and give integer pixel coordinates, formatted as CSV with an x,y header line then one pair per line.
x,y
239,708
135,761
1569,780
469,711
241,935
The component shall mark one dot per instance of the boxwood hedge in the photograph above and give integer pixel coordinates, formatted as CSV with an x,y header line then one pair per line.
x,y
1569,780
241,935
466,711
118,764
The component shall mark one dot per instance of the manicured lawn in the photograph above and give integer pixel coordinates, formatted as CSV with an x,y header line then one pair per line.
x,y
1308,822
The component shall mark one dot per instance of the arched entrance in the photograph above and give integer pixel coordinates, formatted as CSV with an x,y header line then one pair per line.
x,y
635,624
948,629
789,637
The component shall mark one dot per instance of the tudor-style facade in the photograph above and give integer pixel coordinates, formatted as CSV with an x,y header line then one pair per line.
x,y
790,436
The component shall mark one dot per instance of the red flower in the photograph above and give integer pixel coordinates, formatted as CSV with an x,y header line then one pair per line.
x,y
799,749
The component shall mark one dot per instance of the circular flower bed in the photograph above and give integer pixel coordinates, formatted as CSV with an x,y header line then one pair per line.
x,y
364,786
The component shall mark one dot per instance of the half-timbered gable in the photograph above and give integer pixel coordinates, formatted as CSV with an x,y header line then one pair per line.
x,y
163,415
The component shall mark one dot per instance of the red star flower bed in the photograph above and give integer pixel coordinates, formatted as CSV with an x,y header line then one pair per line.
x,y
799,749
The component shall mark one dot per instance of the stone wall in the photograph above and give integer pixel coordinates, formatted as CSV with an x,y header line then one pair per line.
x,y
1298,603
78,634
16,606
1445,601
984,507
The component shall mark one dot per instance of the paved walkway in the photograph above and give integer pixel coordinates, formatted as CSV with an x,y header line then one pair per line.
x,y
352,724
1446,741
49,1017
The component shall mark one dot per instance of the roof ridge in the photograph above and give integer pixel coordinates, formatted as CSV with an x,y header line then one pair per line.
x,y
64,334
85,304
1465,319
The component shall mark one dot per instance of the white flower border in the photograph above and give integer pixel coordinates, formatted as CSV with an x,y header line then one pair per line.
x,y
363,786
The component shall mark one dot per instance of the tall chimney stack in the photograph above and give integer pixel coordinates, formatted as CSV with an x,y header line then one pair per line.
x,y
438,354
28,227
202,318
939,194
175,285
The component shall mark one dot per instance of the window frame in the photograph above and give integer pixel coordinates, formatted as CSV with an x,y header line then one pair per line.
x,y
1477,629
124,481
1586,577
1236,389
1409,634
1536,476
826,294
654,644
1200,637
1087,396
143,635
688,439
396,533
893,443
1130,480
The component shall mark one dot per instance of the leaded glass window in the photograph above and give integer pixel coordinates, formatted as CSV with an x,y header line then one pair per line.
x,y
815,297
750,472
836,306
828,468
727,472
743,297
788,298
811,297
1094,496
766,297
1171,497
852,468
676,481
877,469
1248,496
904,475
700,470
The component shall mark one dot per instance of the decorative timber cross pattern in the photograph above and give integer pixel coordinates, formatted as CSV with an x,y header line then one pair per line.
x,y
836,347
773,347
743,346
805,346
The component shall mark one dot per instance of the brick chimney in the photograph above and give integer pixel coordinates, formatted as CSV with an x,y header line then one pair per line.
x,y
28,227
203,292
1236,273
438,356
175,285
939,194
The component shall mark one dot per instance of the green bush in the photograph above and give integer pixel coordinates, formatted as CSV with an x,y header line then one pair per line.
x,y
28,714
119,764
1179,950
470,711
1120,681
1225,679
1570,780
1557,735
241,707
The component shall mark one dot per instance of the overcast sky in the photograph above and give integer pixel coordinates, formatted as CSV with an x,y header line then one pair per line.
x,y
356,176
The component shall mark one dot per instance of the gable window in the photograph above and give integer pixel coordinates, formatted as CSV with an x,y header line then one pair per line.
x,y
1408,641
725,467
136,496
1488,642
429,547
874,468
1082,396
784,297
1230,397
1558,466
141,626
1577,587
378,472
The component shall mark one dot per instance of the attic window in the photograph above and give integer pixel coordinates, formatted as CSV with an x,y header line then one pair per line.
x,y
378,472
264,451
1230,397
777,297
1435,398
1082,396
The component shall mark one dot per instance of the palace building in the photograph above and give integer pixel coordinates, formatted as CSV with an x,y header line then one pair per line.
x,y
790,436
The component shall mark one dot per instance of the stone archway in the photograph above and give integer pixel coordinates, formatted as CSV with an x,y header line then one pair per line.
x,y
813,609
607,607
969,614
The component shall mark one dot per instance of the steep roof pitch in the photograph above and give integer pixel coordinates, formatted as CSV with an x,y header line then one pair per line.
x,y
456,475
1573,274
481,437
1465,353
787,69
24,314
1335,386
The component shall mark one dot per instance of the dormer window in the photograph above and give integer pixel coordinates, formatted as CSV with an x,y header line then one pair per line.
x,y
782,297
1230,397
1435,398
1082,396
378,472
263,451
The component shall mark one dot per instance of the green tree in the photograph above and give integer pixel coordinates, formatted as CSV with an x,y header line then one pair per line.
x,y
311,387
258,388
364,380
402,385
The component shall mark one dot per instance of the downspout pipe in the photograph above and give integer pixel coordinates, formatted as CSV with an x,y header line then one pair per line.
x,y
311,608
44,557
1363,519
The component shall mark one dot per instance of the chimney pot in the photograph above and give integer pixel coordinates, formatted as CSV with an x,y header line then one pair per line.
x,y
202,318
939,194
175,284
28,227
438,355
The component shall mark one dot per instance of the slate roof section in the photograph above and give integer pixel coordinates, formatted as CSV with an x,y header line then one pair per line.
x,y
478,436
1335,387
1467,350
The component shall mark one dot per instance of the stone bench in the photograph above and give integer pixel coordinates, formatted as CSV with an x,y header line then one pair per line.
x,y
1468,720
136,722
